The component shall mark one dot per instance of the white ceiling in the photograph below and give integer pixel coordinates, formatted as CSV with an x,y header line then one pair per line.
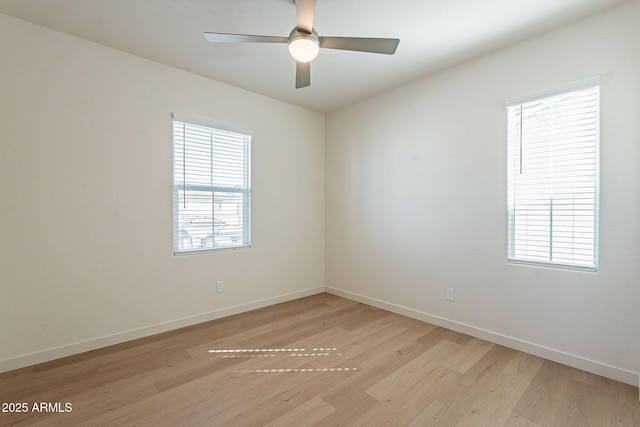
x,y
434,34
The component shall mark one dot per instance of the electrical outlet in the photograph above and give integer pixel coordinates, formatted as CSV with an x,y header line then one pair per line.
x,y
220,286
450,294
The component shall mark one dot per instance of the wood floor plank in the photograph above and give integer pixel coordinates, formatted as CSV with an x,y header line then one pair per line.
x,y
539,403
458,392
516,421
307,414
402,409
348,396
321,360
468,355
411,373
501,395
428,416
580,406
290,391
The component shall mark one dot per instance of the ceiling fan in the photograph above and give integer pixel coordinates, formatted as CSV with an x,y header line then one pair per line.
x,y
304,42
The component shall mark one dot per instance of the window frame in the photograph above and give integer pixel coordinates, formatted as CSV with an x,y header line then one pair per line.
x,y
592,83
244,191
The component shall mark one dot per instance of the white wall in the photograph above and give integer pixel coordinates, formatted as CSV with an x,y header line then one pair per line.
x,y
86,204
416,201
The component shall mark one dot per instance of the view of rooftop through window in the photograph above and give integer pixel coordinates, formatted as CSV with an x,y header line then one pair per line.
x,y
211,188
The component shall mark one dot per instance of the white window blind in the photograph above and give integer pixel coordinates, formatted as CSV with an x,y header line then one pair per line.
x,y
211,186
553,177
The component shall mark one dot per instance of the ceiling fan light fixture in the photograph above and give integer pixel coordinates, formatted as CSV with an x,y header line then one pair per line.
x,y
303,47
304,42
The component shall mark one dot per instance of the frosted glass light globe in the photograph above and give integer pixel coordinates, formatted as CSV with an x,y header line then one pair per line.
x,y
304,48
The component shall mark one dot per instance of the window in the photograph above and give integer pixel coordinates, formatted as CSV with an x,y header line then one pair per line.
x,y
553,169
211,187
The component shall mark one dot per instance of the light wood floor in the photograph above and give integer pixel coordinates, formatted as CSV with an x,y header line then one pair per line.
x,y
321,360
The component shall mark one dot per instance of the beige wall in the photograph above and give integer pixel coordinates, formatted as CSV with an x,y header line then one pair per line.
x,y
86,208
416,201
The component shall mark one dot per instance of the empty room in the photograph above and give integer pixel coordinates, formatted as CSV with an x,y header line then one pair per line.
x,y
320,212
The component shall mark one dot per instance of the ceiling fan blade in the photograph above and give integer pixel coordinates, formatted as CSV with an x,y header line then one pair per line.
x,y
305,10
361,44
303,74
243,38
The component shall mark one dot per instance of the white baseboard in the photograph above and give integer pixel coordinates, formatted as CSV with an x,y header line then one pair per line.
x,y
92,344
622,375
